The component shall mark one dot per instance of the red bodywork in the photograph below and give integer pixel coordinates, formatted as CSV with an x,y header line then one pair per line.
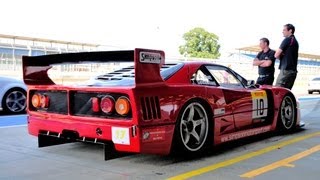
x,y
155,105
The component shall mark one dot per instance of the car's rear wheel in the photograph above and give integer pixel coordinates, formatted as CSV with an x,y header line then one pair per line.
x,y
192,129
14,101
287,116
310,92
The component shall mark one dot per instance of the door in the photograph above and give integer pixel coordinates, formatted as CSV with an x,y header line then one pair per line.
x,y
248,105
222,112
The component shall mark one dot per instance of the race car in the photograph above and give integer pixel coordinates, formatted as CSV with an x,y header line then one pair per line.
x,y
152,107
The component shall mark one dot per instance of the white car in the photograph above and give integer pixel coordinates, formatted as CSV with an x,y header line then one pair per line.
x,y
314,85
12,95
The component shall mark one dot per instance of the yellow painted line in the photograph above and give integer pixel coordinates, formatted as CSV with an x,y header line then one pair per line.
x,y
284,162
229,162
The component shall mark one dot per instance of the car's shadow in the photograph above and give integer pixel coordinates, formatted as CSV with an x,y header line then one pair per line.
x,y
212,152
232,145
2,113
95,152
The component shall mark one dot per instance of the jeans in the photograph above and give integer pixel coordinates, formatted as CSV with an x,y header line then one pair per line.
x,y
286,78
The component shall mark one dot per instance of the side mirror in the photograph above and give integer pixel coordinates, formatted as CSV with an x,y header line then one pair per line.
x,y
250,83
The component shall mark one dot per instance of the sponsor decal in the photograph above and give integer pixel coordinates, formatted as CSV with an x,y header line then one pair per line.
x,y
156,134
206,82
246,133
219,111
150,57
259,104
120,135
145,135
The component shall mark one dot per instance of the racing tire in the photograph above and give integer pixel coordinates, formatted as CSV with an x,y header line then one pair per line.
x,y
310,92
287,117
193,132
14,101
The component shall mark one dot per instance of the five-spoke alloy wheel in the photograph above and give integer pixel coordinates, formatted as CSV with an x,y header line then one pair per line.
x,y
287,114
14,101
193,128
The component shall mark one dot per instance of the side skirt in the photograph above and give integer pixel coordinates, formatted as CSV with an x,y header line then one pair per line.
x,y
245,133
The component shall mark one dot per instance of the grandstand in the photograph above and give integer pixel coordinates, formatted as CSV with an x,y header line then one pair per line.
x,y
12,48
241,59
308,66
304,58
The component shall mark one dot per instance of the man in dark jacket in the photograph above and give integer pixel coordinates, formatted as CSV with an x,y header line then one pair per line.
x,y
288,56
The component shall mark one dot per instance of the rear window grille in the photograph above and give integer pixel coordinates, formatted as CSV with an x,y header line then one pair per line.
x,y
150,108
129,72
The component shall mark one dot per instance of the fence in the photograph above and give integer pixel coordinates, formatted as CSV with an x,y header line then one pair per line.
x,y
10,64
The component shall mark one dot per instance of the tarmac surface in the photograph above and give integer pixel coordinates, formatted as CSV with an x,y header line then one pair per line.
x,y
270,156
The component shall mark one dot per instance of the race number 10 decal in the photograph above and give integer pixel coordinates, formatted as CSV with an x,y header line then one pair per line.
x,y
259,104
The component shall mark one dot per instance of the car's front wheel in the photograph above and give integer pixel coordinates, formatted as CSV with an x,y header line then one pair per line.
x,y
192,128
14,101
310,92
287,115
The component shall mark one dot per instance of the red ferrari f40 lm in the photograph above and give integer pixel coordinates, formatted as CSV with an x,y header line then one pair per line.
x,y
152,106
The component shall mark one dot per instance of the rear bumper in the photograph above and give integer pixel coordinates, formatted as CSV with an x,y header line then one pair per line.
x,y
299,122
302,124
126,138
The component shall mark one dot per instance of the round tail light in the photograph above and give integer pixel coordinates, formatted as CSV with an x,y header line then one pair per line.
x,y
39,100
36,100
122,106
44,101
107,104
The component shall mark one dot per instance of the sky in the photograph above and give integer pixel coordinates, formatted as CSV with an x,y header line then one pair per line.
x,y
160,24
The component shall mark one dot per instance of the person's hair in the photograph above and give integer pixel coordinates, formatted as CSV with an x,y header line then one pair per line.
x,y
290,27
266,40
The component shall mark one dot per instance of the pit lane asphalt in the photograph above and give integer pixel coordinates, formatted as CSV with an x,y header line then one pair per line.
x,y
21,159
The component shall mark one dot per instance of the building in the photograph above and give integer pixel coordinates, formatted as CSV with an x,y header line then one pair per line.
x,y
304,58
308,66
12,48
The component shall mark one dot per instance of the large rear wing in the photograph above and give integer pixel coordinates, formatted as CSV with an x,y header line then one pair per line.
x,y
147,64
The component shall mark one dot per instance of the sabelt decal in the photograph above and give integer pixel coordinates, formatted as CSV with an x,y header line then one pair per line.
x,y
120,135
246,133
156,134
259,104
150,57
219,111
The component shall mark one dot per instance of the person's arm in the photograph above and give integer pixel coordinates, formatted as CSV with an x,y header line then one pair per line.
x,y
266,63
284,45
257,62
270,59
278,54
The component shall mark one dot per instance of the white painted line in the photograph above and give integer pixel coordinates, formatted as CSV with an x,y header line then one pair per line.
x,y
12,116
309,97
4,127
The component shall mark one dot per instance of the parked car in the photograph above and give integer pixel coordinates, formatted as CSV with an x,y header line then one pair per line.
x,y
12,95
314,85
153,107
